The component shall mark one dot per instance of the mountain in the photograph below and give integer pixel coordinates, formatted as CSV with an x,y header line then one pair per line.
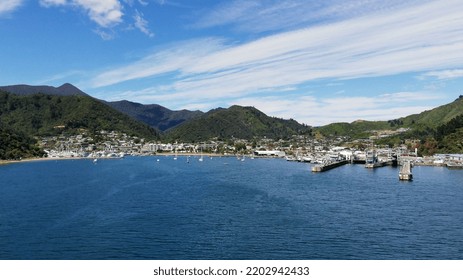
x,y
43,114
154,115
63,90
238,122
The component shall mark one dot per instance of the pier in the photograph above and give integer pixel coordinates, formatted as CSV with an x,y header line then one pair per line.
x,y
405,173
327,166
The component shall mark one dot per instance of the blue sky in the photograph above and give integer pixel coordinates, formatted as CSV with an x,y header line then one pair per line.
x,y
315,61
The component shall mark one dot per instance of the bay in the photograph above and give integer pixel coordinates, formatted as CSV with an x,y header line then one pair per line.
x,y
222,208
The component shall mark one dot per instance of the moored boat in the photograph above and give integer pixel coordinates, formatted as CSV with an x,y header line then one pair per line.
x,y
454,165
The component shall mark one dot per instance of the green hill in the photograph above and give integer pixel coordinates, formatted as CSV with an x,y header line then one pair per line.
x,y
236,122
420,124
45,115
154,115
355,130
435,117
16,145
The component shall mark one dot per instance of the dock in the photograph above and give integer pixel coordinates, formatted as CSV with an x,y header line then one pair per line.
x,y
327,166
405,173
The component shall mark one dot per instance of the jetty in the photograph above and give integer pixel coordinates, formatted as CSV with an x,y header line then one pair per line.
x,y
405,173
328,165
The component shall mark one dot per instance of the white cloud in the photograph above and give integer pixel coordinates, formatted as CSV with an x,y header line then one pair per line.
x,y
168,60
106,13
7,6
274,15
142,24
49,3
321,111
424,38
445,74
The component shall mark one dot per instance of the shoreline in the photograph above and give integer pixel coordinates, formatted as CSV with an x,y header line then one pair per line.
x,y
6,162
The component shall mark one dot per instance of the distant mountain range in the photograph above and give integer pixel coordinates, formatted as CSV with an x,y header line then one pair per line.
x,y
154,115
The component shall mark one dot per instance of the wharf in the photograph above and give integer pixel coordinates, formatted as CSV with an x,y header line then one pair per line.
x,y
328,166
381,164
405,173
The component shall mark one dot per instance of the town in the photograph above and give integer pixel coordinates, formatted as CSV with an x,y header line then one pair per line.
x,y
323,151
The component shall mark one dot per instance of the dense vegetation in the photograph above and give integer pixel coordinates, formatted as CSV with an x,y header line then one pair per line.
x,y
354,130
15,145
236,122
47,115
154,115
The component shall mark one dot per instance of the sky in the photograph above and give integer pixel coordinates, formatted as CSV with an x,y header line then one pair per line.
x,y
317,62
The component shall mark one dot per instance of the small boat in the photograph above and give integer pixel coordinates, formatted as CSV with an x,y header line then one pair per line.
x,y
95,160
201,157
454,165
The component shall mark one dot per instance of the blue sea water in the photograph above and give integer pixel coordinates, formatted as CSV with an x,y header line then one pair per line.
x,y
221,208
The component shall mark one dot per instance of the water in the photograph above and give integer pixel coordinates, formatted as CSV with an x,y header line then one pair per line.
x,y
138,208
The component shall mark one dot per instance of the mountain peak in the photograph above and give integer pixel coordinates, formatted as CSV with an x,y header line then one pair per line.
x,y
64,90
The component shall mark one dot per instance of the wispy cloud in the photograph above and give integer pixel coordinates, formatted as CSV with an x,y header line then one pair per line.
x,y
324,110
8,6
416,39
445,74
108,14
277,15
273,72
142,24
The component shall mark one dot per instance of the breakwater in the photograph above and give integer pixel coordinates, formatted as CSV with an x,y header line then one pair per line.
x,y
328,166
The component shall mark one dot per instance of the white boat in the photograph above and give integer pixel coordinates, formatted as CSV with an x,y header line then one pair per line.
x,y
201,157
290,158
95,160
454,165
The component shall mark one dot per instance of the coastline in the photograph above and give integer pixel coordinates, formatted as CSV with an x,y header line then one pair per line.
x,y
5,162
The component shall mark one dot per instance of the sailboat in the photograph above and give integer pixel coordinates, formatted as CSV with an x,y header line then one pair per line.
x,y
201,158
